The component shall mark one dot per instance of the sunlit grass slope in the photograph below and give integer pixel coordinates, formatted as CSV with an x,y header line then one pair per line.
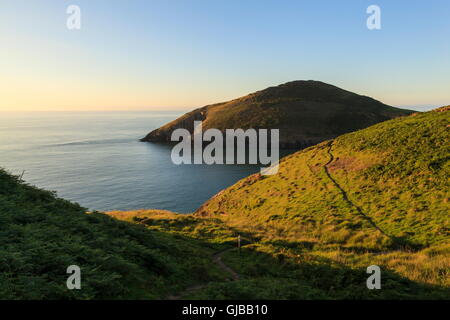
x,y
378,188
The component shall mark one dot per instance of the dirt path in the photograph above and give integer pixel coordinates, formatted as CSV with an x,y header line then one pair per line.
x,y
217,259
344,193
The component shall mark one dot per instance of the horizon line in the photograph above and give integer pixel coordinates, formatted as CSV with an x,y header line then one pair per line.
x,y
167,108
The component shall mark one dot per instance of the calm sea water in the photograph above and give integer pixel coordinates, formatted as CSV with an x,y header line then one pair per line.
x,y
95,159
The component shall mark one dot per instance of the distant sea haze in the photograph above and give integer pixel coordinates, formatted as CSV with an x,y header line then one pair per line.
x,y
96,159
420,108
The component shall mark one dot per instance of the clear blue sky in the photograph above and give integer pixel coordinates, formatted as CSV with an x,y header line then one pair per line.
x,y
142,54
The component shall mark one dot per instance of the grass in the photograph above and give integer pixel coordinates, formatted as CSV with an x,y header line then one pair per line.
x,y
41,235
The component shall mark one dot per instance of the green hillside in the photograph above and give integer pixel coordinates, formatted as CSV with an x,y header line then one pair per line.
x,y
42,235
305,112
383,186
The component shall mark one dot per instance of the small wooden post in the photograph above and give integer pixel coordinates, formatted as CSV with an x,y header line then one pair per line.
x,y
239,244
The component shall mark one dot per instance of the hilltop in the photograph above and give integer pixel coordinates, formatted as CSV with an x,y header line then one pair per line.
x,y
306,112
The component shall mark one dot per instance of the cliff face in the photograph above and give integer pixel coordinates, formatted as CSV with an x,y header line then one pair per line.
x,y
306,112
185,122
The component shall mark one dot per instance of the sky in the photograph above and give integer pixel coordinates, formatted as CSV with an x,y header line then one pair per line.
x,y
174,54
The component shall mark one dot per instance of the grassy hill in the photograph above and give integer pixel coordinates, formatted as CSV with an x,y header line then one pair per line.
x,y
306,112
389,180
42,235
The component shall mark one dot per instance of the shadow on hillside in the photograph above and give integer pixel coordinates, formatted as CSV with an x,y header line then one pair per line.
x,y
275,276
272,275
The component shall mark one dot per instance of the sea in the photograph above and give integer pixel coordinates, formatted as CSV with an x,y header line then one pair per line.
x,y
97,160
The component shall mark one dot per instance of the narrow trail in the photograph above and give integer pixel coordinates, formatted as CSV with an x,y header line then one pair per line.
x,y
344,193
217,259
